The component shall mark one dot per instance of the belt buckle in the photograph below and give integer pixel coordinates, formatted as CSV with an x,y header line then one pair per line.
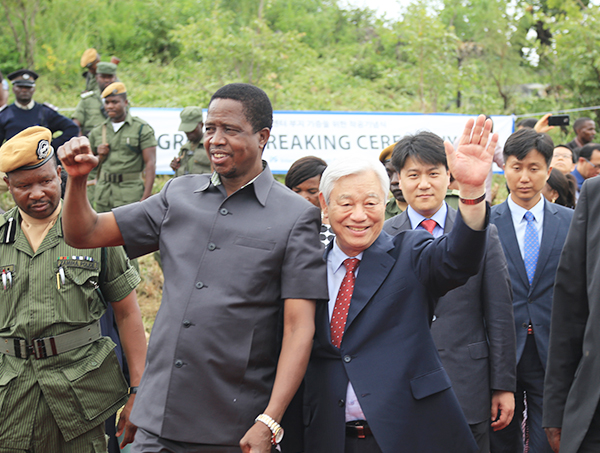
x,y
38,348
360,430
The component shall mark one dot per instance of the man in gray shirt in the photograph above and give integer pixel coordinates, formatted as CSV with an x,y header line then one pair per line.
x,y
239,249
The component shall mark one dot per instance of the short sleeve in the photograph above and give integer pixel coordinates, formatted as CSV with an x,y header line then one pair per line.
x,y
304,273
140,223
147,138
121,277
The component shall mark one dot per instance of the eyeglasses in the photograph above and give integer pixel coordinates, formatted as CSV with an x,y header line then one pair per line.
x,y
593,165
563,156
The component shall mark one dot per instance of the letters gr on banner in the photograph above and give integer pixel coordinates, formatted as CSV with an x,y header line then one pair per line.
x,y
329,135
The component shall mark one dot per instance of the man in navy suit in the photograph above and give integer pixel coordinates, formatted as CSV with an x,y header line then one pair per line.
x,y
473,325
532,232
375,382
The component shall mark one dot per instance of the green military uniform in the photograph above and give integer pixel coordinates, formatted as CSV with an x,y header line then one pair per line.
x,y
193,159
452,198
120,181
391,209
75,391
89,111
91,84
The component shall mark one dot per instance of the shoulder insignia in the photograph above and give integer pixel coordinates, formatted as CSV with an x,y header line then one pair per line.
x,y
50,106
86,94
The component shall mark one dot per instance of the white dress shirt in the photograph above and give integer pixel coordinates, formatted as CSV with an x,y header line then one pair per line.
x,y
335,274
517,213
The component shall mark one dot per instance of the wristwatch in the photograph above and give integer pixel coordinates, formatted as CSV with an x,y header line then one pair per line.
x,y
276,429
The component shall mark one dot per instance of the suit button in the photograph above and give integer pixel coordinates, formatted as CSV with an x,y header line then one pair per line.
x,y
178,363
187,323
529,301
434,318
525,325
341,403
211,246
199,285
347,359
223,211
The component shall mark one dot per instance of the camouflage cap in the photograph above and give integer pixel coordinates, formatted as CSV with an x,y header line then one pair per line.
x,y
105,67
89,57
114,88
190,117
27,150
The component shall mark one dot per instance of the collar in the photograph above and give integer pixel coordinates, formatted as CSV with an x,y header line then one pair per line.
x,y
416,218
518,212
262,183
25,107
336,257
128,118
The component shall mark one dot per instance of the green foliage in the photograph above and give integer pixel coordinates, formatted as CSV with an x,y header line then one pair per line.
x,y
466,56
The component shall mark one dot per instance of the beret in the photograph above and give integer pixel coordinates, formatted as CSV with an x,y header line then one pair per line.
x,y
88,57
386,154
27,150
114,88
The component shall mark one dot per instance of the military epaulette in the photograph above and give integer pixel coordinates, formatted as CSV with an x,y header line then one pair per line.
x,y
86,94
50,106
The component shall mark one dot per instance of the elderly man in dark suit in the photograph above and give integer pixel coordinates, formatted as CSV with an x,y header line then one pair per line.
x,y
532,232
375,382
571,390
473,325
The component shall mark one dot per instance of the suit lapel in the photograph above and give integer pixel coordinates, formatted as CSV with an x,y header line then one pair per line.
x,y
450,217
374,268
508,237
551,225
400,223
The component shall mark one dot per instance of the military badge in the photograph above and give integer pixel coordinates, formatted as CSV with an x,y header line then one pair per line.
x,y
43,149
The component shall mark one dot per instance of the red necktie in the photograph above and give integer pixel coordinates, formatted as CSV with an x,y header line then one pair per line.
x,y
429,225
342,302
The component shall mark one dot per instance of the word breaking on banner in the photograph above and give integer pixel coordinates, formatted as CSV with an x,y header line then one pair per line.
x,y
328,135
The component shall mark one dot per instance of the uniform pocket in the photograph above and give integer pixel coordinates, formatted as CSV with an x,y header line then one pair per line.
x,y
7,374
78,285
97,382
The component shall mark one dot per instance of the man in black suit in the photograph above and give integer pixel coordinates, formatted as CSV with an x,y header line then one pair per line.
x,y
473,325
532,232
571,390
375,382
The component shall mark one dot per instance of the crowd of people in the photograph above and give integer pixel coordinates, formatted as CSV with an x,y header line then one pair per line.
x,y
315,316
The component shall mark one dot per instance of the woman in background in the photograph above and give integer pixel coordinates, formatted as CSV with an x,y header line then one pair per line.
x,y
560,189
304,177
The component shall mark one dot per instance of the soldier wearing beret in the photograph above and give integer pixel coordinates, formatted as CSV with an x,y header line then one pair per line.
x,y
127,147
90,111
397,203
89,61
59,377
192,156
25,112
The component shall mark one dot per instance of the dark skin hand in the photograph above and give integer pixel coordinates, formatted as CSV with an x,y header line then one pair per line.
x,y
553,435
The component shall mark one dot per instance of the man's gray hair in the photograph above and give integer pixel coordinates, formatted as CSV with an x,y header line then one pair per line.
x,y
353,165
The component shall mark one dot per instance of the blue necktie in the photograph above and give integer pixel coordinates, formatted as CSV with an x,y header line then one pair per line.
x,y
532,246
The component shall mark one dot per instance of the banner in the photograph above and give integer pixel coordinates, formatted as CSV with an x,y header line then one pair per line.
x,y
328,135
